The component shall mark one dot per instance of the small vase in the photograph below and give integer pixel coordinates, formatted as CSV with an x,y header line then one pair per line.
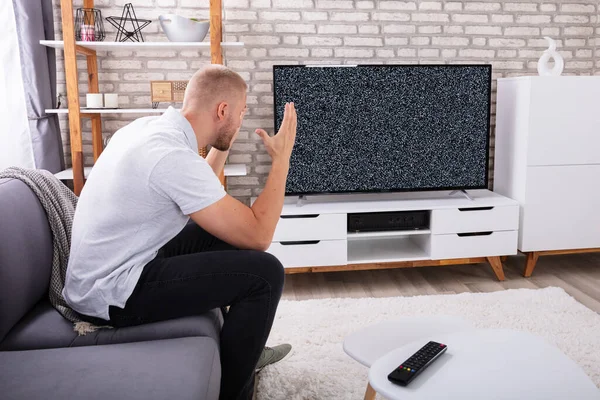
x,y
543,66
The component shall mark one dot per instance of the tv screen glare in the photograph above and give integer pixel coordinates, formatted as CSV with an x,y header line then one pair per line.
x,y
386,128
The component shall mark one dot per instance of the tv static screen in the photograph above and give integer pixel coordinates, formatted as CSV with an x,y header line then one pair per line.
x,y
385,128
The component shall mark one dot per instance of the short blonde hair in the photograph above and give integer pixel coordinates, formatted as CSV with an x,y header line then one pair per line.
x,y
213,84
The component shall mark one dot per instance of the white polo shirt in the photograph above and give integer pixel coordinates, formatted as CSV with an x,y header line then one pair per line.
x,y
138,197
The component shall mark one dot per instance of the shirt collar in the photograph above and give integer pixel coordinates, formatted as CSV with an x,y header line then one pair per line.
x,y
180,122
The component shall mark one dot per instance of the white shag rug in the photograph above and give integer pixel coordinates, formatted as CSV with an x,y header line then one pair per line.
x,y
319,369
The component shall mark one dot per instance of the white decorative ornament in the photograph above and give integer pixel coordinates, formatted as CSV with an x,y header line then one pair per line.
x,y
182,29
543,67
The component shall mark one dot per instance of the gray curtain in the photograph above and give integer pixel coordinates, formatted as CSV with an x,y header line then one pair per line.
x,y
35,22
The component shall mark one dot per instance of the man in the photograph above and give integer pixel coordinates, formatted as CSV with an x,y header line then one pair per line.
x,y
136,259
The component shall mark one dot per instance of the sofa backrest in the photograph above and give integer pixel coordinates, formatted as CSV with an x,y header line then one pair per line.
x,y
25,252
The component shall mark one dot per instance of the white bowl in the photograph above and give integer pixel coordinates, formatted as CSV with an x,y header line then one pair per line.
x,y
181,29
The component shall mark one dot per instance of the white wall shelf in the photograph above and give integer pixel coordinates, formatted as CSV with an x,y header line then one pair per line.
x,y
229,170
108,110
235,170
121,46
67,174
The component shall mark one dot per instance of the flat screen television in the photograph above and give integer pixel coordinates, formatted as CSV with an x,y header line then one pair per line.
x,y
386,128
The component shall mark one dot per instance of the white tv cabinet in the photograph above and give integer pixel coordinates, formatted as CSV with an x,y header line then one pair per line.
x,y
548,159
313,236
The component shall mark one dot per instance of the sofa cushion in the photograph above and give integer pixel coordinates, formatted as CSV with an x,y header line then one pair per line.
x,y
25,252
45,328
185,368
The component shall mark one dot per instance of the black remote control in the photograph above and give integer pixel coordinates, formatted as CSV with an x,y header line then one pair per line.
x,y
416,363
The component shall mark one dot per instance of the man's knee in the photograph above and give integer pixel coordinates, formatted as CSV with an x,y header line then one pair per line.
x,y
270,269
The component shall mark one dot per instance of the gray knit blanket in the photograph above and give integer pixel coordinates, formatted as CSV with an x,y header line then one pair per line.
x,y
59,202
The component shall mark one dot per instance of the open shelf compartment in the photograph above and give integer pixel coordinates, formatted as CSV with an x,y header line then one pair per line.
x,y
388,249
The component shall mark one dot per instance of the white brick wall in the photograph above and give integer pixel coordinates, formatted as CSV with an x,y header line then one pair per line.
x,y
507,34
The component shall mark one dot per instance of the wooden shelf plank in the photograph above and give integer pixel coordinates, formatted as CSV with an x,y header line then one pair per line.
x,y
120,46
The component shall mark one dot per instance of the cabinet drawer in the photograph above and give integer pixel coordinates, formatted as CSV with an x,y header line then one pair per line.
x,y
311,227
481,245
560,210
475,219
310,253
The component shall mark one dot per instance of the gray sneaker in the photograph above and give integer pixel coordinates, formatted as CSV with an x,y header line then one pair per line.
x,y
271,355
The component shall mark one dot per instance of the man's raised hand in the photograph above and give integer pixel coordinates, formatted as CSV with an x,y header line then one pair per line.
x,y
280,146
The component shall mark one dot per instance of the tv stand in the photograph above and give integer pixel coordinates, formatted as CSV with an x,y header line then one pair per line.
x,y
315,237
462,191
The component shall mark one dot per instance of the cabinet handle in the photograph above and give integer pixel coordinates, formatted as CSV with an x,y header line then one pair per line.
x,y
474,234
300,216
476,209
299,242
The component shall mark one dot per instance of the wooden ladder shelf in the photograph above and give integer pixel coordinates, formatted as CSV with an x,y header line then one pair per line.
x,y
71,49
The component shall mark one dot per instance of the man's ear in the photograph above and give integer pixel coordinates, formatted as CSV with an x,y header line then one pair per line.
x,y
221,110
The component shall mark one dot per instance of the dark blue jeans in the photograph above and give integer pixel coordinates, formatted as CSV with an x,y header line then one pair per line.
x,y
196,272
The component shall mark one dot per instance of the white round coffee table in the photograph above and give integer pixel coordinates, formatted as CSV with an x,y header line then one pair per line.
x,y
377,340
374,341
491,364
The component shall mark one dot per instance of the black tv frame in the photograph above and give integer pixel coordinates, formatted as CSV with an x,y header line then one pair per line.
x,y
489,113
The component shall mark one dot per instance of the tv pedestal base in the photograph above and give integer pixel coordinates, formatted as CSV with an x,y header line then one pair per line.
x,y
463,192
314,237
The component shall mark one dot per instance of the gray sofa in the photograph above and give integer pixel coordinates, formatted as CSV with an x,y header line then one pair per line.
x,y
41,357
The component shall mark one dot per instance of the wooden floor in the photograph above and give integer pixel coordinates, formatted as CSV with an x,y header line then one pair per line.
x,y
577,274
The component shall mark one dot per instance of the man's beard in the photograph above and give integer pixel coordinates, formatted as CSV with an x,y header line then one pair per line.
x,y
224,137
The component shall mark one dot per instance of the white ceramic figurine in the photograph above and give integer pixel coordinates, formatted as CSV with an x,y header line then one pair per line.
x,y
543,63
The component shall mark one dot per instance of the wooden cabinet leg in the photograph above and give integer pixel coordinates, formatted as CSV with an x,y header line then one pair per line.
x,y
497,267
370,393
532,259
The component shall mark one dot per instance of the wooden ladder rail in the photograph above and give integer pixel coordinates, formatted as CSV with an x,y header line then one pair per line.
x,y
216,37
70,54
71,49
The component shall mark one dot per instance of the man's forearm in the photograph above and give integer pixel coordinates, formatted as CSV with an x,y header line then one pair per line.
x,y
216,159
267,207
